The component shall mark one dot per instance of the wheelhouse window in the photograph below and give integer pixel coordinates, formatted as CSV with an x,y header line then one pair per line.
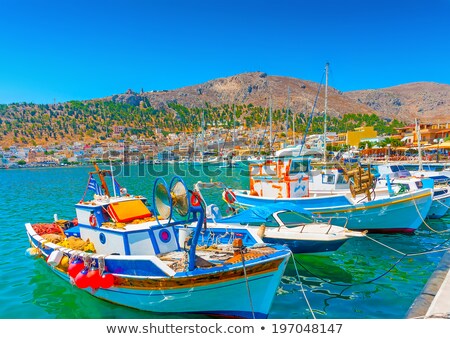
x,y
327,178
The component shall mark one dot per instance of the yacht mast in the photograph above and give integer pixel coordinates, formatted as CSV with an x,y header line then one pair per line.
x,y
270,122
325,115
287,113
419,140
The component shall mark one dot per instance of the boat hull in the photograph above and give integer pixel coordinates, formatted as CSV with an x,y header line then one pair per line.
x,y
307,246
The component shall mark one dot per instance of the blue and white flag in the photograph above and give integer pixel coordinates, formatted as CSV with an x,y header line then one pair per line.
x,y
93,186
116,187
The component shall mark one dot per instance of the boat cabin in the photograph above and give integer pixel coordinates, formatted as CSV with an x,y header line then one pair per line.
x,y
280,179
124,226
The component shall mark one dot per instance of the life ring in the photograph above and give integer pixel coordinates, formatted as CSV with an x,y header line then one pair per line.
x,y
92,220
195,199
229,196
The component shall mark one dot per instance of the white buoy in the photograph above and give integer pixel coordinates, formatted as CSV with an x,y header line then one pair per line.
x,y
55,217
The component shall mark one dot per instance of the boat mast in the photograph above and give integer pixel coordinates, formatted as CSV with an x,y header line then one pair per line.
x,y
287,113
270,122
419,149
203,136
325,115
234,126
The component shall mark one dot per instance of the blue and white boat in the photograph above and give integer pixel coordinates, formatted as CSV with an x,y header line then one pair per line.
x,y
396,176
288,182
281,223
127,255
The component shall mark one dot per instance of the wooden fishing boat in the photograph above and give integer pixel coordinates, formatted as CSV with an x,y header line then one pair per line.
x,y
287,181
120,251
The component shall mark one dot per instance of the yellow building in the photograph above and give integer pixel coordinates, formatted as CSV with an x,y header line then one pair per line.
x,y
353,138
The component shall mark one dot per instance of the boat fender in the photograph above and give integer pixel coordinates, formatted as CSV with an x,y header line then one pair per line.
x,y
75,267
94,278
106,280
32,252
92,220
55,258
81,280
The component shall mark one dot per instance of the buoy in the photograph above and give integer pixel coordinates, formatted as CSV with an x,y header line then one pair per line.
x,y
32,252
75,267
94,278
107,280
81,280
64,263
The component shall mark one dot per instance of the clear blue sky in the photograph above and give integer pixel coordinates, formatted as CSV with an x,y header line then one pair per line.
x,y
81,49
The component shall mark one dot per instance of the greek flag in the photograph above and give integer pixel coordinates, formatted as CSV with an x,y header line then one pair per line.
x,y
93,186
117,187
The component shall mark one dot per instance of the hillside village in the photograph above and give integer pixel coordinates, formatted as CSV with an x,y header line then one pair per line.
x,y
248,114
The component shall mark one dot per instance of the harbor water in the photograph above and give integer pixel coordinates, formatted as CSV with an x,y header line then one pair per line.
x,y
361,280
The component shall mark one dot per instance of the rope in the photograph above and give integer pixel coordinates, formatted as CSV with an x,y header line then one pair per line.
x,y
443,204
301,285
423,220
246,283
403,256
355,284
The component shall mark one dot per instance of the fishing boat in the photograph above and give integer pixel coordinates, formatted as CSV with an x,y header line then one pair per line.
x,y
120,251
396,178
287,181
284,224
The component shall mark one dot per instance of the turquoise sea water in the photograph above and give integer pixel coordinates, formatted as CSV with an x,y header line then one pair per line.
x,y
28,289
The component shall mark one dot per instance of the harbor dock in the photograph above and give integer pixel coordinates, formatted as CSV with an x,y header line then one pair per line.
x,y
434,300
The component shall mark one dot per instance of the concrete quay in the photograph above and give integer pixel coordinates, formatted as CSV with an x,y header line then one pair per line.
x,y
434,300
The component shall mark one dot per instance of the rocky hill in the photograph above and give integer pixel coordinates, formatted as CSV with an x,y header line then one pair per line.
x,y
255,88
144,114
428,101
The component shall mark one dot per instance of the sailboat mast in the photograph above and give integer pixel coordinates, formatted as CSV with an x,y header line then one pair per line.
x,y
270,122
419,140
203,136
234,125
287,113
325,115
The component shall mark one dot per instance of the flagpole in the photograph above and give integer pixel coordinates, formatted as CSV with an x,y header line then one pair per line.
x,y
112,173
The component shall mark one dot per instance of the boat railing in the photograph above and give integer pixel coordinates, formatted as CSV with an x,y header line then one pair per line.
x,y
329,220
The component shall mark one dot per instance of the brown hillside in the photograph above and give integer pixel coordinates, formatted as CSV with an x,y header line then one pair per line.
x,y
255,88
427,101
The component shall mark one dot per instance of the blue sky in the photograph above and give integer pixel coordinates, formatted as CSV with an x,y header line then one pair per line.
x,y
82,49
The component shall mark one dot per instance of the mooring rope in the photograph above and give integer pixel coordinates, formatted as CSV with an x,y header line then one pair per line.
x,y
302,288
443,204
349,285
403,256
423,220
